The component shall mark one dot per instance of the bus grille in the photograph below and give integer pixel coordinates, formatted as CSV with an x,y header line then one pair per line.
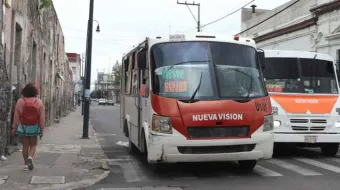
x,y
308,121
217,132
215,149
305,128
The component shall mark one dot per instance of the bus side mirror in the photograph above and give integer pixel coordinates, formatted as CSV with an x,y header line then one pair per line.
x,y
261,56
144,91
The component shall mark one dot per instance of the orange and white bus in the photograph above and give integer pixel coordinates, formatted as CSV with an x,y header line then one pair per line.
x,y
304,91
196,98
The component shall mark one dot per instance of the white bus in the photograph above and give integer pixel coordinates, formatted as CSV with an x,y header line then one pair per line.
x,y
304,91
196,98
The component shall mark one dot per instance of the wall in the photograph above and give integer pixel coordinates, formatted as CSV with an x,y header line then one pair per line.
x,y
321,35
295,13
34,53
4,92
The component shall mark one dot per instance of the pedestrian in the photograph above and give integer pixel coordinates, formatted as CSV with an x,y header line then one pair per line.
x,y
29,122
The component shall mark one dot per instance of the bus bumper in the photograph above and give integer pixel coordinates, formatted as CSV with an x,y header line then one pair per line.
x,y
306,138
170,149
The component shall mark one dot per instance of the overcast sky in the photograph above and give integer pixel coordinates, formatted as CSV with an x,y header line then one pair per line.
x,y
125,23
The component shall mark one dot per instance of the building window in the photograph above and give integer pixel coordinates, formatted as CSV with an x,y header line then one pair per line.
x,y
74,70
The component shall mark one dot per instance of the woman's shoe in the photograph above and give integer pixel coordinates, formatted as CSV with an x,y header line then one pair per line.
x,y
30,163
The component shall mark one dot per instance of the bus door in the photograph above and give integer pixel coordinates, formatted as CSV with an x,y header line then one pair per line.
x,y
140,99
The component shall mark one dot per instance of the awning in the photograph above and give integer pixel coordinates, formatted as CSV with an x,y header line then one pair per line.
x,y
60,76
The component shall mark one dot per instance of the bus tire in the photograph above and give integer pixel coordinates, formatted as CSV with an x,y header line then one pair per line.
x,y
126,129
247,164
133,148
330,149
159,167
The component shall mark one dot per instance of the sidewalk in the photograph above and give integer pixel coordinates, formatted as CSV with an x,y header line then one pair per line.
x,y
63,160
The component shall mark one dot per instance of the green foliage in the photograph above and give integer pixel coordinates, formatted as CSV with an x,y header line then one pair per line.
x,y
45,3
117,74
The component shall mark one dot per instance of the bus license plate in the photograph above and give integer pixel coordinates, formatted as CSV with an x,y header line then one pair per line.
x,y
311,139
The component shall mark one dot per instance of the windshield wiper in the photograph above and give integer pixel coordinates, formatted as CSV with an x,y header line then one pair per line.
x,y
196,90
184,62
251,81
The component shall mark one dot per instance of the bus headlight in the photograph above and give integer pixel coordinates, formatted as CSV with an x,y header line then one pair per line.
x,y
277,123
337,124
268,124
161,124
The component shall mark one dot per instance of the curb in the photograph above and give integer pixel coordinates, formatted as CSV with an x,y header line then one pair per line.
x,y
76,185
94,136
103,162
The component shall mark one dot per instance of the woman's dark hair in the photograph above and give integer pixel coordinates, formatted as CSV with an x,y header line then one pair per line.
x,y
29,91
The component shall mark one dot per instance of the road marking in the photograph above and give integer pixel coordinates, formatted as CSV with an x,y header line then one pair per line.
x,y
266,172
105,134
144,188
123,143
294,168
129,172
119,161
319,164
337,160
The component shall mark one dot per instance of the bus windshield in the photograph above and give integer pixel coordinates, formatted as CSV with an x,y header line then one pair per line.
x,y
300,75
219,70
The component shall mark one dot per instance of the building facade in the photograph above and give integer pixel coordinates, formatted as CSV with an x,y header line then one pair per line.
x,y
104,84
76,68
308,25
33,52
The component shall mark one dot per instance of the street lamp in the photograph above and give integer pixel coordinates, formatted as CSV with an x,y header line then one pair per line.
x,y
83,102
88,72
98,27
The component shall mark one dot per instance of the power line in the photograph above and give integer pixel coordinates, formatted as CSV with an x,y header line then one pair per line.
x,y
221,17
212,22
192,14
104,34
268,18
198,21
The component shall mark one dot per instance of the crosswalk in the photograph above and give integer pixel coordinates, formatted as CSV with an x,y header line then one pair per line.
x,y
135,170
95,106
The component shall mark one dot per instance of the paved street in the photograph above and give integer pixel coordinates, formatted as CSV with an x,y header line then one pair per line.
x,y
303,169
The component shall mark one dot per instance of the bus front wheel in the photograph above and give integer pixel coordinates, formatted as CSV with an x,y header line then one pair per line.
x,y
133,148
247,164
330,149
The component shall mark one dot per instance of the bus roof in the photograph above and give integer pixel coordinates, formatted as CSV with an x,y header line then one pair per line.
x,y
297,54
198,36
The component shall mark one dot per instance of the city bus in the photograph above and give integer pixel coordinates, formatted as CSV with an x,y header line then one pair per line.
x,y
196,98
304,93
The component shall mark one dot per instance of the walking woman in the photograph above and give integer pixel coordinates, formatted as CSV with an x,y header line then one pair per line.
x,y
29,122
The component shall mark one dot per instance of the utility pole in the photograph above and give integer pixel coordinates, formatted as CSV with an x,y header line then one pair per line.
x,y
198,15
83,80
88,72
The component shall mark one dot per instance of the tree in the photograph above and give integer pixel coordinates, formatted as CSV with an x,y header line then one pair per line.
x,y
117,74
45,3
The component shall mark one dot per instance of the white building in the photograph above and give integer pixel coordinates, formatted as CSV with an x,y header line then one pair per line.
x,y
308,25
75,65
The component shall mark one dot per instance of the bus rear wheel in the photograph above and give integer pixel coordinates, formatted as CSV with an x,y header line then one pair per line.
x,y
247,164
330,149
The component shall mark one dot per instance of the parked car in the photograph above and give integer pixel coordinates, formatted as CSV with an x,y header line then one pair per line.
x,y
102,102
110,102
